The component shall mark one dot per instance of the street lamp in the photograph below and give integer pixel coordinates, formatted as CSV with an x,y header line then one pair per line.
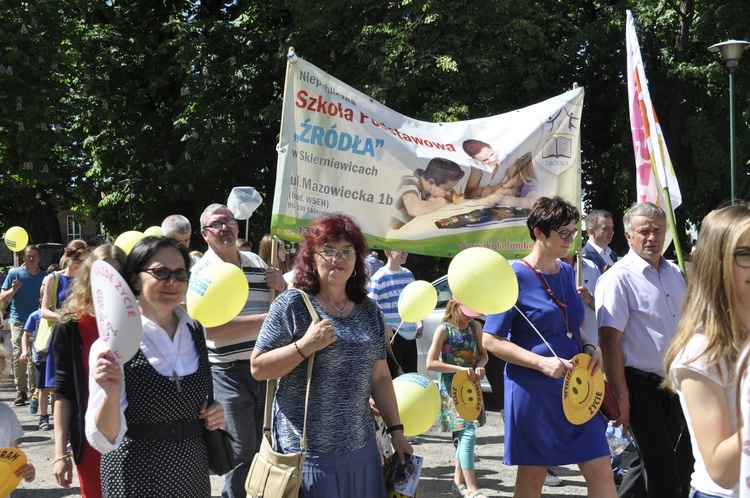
x,y
731,53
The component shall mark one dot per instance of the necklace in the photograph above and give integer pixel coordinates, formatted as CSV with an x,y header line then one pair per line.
x,y
561,304
176,350
341,311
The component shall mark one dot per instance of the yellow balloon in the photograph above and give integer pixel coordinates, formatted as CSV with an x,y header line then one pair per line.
x,y
127,240
483,281
16,238
154,231
418,401
417,301
216,294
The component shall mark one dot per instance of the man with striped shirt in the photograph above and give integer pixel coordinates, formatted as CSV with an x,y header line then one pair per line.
x,y
384,288
230,345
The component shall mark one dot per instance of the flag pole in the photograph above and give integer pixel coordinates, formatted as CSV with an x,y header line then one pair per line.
x,y
291,58
657,150
657,145
579,242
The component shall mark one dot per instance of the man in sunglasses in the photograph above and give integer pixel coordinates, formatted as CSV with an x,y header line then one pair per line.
x,y
638,306
230,345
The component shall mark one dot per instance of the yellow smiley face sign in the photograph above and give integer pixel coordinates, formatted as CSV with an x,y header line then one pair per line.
x,y
582,393
467,396
11,460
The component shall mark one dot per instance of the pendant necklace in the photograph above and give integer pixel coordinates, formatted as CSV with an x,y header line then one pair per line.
x,y
174,377
562,305
340,311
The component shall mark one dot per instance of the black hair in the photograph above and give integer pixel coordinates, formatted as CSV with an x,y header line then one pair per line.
x,y
143,251
441,170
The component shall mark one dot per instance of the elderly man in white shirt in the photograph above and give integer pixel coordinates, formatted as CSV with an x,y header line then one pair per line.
x,y
638,306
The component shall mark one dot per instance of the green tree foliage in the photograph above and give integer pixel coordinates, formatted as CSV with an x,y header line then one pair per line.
x,y
39,159
165,106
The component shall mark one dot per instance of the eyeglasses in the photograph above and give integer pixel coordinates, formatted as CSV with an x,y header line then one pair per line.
x,y
216,225
164,273
331,253
566,234
742,258
606,229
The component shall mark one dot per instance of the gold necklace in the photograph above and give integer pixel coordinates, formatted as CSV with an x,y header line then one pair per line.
x,y
341,311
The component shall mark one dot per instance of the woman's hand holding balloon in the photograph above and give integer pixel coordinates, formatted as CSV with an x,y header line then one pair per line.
x,y
554,367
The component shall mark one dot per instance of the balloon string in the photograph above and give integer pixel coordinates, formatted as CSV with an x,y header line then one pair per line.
x,y
537,332
393,337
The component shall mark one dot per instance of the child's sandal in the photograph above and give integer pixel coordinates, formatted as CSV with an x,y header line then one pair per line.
x,y
460,489
475,494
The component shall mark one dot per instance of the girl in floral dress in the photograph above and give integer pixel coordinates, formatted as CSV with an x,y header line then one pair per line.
x,y
456,346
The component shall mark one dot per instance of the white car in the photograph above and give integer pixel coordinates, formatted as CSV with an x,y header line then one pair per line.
x,y
495,366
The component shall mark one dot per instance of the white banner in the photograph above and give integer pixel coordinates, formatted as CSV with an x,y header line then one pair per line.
x,y
426,188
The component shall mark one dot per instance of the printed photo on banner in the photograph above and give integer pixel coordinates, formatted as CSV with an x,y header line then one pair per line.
x,y
429,188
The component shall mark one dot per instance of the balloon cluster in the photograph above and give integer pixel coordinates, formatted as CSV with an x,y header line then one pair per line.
x,y
484,282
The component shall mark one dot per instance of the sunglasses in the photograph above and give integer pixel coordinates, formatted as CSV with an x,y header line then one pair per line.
x,y
164,273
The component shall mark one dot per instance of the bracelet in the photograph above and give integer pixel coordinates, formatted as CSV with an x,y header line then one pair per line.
x,y
64,457
587,344
298,350
397,427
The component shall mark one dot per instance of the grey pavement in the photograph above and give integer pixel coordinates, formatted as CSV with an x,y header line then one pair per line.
x,y
495,479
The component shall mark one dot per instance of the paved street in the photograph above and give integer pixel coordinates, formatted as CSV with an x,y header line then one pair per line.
x,y
496,479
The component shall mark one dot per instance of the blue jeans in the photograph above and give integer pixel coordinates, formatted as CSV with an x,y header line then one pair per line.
x,y
243,399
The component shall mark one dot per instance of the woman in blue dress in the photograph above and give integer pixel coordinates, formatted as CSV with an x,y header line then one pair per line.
x,y
537,433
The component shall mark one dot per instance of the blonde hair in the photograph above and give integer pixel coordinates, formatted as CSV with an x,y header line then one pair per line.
x,y
710,301
265,249
79,301
453,312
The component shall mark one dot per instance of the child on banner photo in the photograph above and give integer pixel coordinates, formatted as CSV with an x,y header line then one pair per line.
x,y
426,190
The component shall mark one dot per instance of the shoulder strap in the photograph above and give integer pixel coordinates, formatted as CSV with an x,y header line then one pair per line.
x,y
196,329
271,383
55,283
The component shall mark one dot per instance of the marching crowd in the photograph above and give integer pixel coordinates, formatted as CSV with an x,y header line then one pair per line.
x,y
674,355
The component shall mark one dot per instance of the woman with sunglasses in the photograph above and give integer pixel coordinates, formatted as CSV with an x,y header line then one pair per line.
x,y
537,432
701,361
147,416
349,366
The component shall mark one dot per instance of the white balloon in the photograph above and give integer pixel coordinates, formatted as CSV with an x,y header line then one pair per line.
x,y
116,309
